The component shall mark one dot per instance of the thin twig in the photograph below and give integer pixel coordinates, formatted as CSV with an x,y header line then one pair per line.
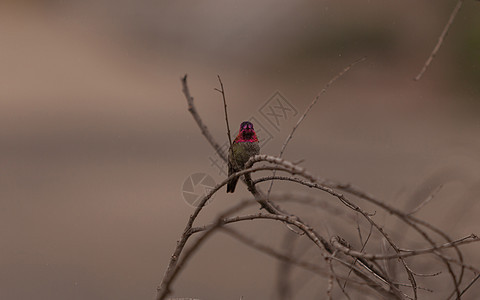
x,y
440,39
359,230
300,120
338,279
361,250
470,284
222,91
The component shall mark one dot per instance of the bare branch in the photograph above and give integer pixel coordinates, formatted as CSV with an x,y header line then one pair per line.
x,y
413,222
408,219
337,254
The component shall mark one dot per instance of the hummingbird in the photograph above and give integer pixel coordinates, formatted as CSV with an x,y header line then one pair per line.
x,y
243,147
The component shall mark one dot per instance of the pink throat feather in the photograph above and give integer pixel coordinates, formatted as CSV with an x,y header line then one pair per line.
x,y
241,139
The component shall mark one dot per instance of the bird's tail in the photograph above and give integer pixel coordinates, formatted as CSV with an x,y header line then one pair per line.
x,y
231,185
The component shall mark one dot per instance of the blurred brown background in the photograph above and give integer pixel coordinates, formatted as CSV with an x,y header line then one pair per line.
x,y
96,141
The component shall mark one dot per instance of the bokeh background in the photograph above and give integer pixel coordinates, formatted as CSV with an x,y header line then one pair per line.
x,y
96,140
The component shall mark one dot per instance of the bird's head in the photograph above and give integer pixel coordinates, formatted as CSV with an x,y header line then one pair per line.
x,y
246,132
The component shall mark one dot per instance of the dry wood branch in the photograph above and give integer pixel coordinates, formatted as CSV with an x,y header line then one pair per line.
x,y
410,220
363,264
317,239
413,222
